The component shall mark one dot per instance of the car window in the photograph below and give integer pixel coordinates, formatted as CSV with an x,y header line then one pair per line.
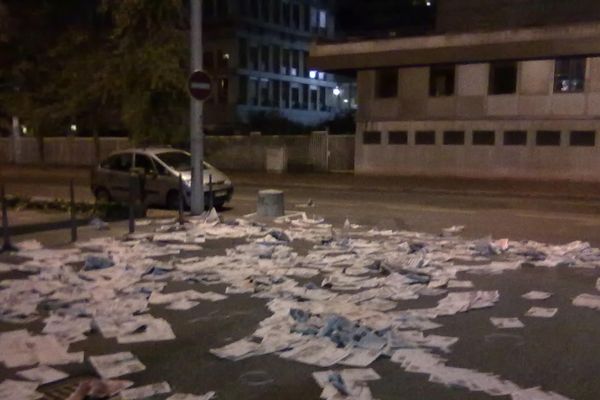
x,y
161,169
144,162
177,160
118,162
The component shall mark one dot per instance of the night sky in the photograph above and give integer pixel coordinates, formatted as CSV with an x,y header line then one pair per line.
x,y
379,17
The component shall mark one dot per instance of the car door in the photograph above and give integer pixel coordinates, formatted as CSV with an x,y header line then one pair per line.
x,y
145,165
120,168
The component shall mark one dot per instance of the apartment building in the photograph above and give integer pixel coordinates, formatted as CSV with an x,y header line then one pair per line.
x,y
522,102
257,50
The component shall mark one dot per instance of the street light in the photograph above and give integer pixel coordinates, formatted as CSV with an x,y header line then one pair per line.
x,y
337,91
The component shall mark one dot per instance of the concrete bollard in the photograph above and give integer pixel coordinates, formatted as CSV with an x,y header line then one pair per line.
x,y
270,203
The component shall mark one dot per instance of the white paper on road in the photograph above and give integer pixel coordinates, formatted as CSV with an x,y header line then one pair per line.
x,y
587,300
19,390
42,375
148,330
237,350
144,392
185,396
20,348
319,352
346,384
541,312
115,365
361,357
537,295
456,284
507,323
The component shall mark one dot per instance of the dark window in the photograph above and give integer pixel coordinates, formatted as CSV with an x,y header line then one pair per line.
x,y
253,93
223,91
372,137
276,60
484,138
264,58
547,138
322,99
503,78
264,9
243,90
119,162
276,11
208,60
295,62
441,80
254,58
386,83
208,8
306,19
254,8
243,53
305,97
286,14
296,97
515,138
398,137
314,98
144,162
569,75
286,61
244,7
177,160
583,138
285,92
296,16
454,137
265,98
222,9
425,137
276,93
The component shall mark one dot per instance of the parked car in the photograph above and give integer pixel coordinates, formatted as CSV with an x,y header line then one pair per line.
x,y
159,170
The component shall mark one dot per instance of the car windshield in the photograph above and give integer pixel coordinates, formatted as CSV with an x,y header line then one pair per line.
x,y
177,160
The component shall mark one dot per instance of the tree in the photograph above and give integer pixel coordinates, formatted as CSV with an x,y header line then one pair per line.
x,y
148,67
97,63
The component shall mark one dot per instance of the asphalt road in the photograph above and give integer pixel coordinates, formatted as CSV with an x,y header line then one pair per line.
x,y
548,212
559,354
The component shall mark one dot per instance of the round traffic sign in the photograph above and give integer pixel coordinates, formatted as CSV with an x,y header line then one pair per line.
x,y
200,85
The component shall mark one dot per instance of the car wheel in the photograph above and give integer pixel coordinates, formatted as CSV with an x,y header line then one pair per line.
x,y
173,200
102,195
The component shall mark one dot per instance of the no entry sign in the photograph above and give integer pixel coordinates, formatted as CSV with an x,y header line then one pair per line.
x,y
200,85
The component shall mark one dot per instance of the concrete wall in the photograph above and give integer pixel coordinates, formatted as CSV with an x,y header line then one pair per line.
x,y
530,161
534,107
317,152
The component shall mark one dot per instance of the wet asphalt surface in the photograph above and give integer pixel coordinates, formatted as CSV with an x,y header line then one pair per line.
x,y
558,354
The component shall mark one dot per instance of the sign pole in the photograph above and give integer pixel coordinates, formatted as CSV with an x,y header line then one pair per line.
x,y
196,115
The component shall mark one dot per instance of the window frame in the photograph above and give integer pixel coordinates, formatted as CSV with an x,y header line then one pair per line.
x,y
572,68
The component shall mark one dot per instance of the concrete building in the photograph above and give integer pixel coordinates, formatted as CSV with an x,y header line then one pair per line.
x,y
522,102
256,51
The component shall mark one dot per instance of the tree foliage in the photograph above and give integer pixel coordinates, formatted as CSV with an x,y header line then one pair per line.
x,y
102,64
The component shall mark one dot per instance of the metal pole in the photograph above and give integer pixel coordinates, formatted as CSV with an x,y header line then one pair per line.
x,y
211,200
72,210
181,197
196,114
132,183
6,246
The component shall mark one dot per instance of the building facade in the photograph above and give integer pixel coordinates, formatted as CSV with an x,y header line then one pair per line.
x,y
257,50
512,103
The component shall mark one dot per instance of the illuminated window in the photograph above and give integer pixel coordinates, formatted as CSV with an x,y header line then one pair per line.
x,y
569,75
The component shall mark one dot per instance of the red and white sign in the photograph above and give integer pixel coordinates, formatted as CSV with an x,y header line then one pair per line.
x,y
200,85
